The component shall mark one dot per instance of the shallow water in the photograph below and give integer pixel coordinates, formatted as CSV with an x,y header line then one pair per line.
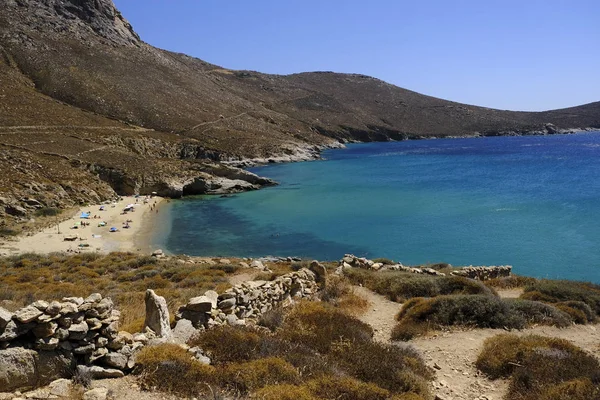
x,y
532,202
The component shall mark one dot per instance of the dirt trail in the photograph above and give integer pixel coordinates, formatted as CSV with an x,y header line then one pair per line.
x,y
453,354
380,315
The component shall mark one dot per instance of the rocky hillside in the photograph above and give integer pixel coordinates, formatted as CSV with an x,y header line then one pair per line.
x,y
88,110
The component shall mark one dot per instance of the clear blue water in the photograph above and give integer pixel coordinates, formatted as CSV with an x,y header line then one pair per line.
x,y
532,202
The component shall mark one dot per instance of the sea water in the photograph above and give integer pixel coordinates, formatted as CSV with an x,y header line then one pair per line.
x,y
532,202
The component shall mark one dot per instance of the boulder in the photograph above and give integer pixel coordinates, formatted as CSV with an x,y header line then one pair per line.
x,y
96,372
60,387
200,303
18,369
213,296
24,368
93,298
78,331
157,315
5,317
27,314
227,303
183,331
53,308
115,360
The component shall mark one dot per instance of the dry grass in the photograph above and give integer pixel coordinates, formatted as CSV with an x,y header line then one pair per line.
x,y
541,367
122,276
339,292
170,368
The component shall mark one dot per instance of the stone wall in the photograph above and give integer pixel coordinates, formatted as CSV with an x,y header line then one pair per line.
x,y
484,273
75,331
249,300
481,273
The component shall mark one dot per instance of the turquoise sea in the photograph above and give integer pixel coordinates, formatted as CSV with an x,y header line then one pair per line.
x,y
532,202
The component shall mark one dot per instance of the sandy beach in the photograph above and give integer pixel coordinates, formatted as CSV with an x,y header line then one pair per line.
x,y
95,237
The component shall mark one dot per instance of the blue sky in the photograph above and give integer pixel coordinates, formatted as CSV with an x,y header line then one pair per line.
x,y
518,55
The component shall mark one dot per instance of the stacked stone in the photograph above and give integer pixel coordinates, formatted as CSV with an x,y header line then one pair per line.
x,y
351,261
249,300
484,273
85,329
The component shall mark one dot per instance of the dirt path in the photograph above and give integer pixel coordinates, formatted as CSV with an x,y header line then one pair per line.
x,y
453,354
380,314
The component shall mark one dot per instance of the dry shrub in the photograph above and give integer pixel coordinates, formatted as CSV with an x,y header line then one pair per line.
x,y
420,315
585,309
576,389
400,286
283,392
535,312
340,293
560,291
398,369
170,368
345,388
272,319
506,354
229,344
319,326
255,374
407,396
510,282
408,330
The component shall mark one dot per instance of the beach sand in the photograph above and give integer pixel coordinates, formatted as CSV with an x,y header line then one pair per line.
x,y
136,238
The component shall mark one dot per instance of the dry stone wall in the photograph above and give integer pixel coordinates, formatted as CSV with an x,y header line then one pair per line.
x,y
76,330
249,300
481,273
484,273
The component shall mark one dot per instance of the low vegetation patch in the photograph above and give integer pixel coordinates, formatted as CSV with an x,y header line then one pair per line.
x,y
170,368
541,367
563,291
124,277
420,315
339,292
317,352
401,286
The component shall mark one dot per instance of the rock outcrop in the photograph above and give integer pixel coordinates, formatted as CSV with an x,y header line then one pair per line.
x,y
157,315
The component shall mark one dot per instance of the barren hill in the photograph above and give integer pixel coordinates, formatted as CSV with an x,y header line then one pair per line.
x,y
87,109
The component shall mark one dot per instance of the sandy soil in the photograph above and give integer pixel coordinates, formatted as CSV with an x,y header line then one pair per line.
x,y
93,237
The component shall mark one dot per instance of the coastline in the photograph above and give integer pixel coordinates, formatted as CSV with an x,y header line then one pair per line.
x,y
92,238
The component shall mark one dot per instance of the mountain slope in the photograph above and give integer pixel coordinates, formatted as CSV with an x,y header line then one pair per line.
x,y
83,96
